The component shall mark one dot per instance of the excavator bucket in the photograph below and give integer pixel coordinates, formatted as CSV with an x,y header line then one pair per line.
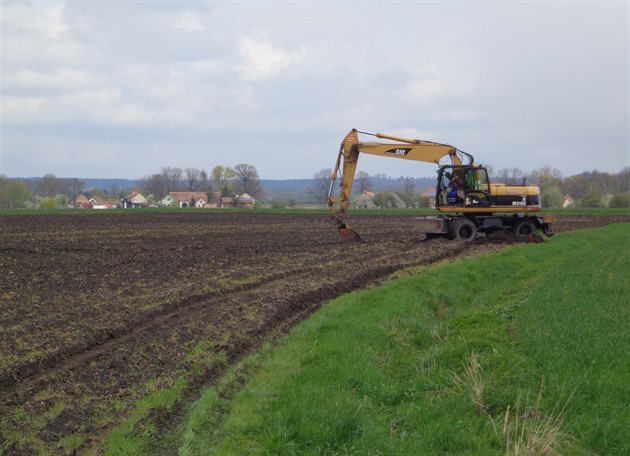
x,y
346,233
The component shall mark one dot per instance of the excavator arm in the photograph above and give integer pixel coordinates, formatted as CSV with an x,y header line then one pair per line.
x,y
406,149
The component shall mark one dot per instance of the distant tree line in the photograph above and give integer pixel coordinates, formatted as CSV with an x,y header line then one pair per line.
x,y
51,192
588,189
243,178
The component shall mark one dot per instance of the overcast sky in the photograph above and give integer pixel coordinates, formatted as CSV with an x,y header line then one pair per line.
x,y
122,88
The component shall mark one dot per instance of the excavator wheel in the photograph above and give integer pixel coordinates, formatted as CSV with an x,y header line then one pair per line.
x,y
523,227
462,230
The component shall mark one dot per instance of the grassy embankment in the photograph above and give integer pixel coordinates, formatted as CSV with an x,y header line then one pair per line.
x,y
486,355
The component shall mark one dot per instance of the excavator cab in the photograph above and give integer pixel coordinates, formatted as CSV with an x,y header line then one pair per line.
x,y
461,186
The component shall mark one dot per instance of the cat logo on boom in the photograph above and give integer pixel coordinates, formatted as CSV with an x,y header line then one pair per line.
x,y
398,151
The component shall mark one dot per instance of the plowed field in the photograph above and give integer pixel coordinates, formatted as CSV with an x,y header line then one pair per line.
x,y
99,310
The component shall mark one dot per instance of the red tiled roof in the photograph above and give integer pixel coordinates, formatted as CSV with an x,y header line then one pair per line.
x,y
189,196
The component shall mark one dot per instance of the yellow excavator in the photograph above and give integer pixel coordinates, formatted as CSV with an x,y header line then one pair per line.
x,y
466,200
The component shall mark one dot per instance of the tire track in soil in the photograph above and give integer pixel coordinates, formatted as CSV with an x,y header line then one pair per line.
x,y
156,344
105,367
106,337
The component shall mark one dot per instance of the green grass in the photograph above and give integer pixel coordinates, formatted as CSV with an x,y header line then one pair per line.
x,y
488,355
138,434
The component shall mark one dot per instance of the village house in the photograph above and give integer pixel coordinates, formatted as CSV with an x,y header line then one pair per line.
x,y
215,200
245,201
221,202
567,201
101,203
227,202
430,193
185,199
364,200
134,200
81,202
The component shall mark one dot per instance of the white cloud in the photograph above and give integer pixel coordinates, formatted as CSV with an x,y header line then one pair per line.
x,y
467,115
426,90
188,21
264,60
207,67
61,79
45,20
79,106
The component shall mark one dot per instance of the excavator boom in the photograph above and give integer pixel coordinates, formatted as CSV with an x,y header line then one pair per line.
x,y
409,149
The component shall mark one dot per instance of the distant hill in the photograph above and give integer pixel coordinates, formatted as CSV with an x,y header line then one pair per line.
x,y
285,189
387,183
298,188
108,184
281,185
103,184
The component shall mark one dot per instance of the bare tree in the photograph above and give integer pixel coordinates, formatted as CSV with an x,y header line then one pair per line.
x,y
408,192
511,176
155,185
546,177
76,185
173,177
204,183
50,186
623,180
195,179
364,182
246,180
321,184
576,186
601,183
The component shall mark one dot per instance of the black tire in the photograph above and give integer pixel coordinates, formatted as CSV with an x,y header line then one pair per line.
x,y
523,227
462,230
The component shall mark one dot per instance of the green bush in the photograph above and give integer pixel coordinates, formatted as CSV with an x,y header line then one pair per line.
x,y
48,204
278,204
592,200
552,197
424,201
621,200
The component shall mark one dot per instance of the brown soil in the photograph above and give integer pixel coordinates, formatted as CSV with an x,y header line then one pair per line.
x,y
100,309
